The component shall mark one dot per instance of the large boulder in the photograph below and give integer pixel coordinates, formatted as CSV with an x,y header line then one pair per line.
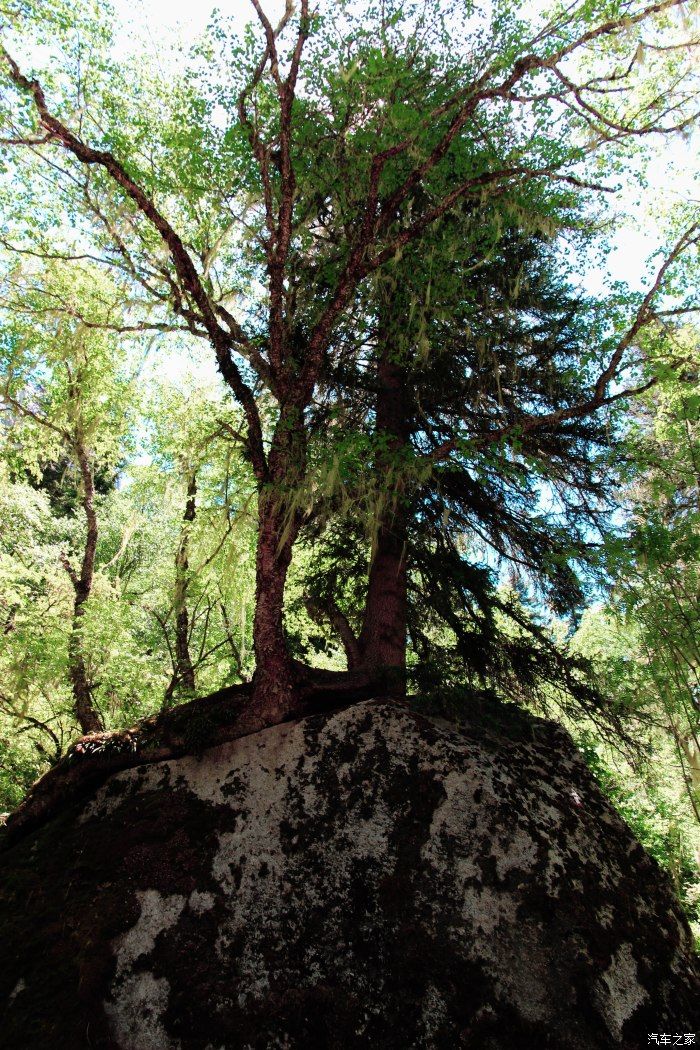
x,y
370,877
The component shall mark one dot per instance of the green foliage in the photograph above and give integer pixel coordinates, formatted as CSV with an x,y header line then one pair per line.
x,y
128,628
644,644
477,302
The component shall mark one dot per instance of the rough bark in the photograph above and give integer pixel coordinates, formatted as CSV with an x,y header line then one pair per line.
x,y
183,677
690,749
233,646
278,527
87,714
382,641
273,682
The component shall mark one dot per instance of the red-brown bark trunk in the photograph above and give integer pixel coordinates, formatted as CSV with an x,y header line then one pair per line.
x,y
273,683
382,639
278,527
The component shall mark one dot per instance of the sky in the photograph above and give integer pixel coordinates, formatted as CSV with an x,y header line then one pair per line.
x,y
185,18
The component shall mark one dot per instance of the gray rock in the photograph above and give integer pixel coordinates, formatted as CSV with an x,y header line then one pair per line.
x,y
366,878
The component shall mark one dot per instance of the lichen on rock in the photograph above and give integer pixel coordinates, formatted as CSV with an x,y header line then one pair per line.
x,y
366,878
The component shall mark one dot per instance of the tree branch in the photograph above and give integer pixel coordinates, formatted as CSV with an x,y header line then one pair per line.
x,y
184,267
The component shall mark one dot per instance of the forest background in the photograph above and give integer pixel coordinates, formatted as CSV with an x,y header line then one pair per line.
x,y
536,479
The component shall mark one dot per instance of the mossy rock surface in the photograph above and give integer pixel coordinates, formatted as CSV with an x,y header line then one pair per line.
x,y
372,877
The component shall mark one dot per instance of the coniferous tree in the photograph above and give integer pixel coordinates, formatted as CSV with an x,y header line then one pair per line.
x,y
444,501
284,181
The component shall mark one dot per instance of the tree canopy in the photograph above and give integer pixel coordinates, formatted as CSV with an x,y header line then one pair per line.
x,y
416,443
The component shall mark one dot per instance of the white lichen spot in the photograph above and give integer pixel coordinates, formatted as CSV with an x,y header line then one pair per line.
x,y
108,797
19,987
433,1013
618,992
485,909
158,913
138,1000
451,817
201,901
520,854
136,1017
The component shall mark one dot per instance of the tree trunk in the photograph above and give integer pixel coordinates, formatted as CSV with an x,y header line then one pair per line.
x,y
183,672
278,526
88,716
691,751
329,611
382,641
273,682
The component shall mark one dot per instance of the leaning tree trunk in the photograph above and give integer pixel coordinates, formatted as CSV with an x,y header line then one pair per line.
x,y
327,611
690,748
183,672
278,527
382,641
86,712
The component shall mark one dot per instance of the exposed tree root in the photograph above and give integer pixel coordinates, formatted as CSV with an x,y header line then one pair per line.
x,y
199,724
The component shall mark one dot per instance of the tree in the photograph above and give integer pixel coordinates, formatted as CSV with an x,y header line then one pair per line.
x,y
67,385
494,335
655,563
35,699
129,626
194,443
190,213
